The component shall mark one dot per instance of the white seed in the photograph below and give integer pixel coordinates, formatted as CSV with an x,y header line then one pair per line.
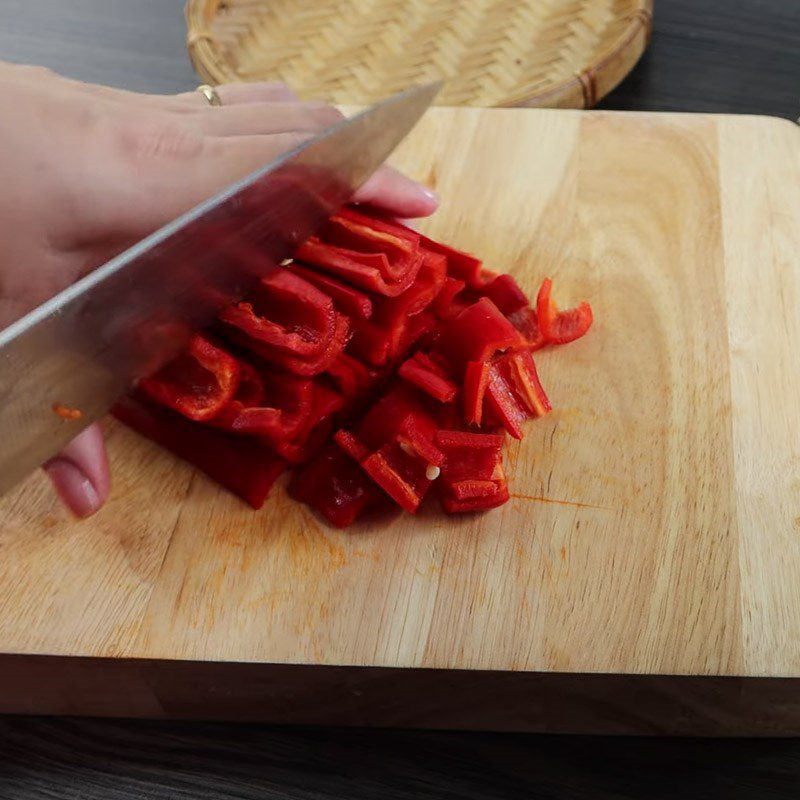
x,y
433,472
406,449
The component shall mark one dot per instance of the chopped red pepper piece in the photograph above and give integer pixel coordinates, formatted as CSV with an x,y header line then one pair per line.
x,y
424,373
383,338
514,392
460,265
476,379
198,383
524,320
315,426
347,299
358,233
476,334
472,477
275,411
394,445
352,378
335,486
443,304
370,271
505,293
240,465
560,327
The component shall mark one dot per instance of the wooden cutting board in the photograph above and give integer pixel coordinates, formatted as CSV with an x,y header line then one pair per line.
x,y
645,574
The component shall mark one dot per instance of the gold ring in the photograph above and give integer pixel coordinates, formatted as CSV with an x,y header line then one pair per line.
x,y
210,94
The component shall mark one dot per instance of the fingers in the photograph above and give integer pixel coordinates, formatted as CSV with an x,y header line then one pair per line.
x,y
254,118
263,92
400,196
80,473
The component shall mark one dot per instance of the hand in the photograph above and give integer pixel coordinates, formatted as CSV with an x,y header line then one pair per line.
x,y
88,170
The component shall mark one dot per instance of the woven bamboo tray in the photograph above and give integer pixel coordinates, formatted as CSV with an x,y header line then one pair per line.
x,y
556,53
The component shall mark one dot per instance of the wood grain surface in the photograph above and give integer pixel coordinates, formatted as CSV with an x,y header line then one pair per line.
x,y
653,523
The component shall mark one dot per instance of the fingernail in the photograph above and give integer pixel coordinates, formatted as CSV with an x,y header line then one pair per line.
x,y
430,194
73,487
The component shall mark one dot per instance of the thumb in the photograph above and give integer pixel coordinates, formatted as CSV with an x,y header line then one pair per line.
x,y
80,473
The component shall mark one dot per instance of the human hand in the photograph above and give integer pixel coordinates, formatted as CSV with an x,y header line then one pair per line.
x,y
88,170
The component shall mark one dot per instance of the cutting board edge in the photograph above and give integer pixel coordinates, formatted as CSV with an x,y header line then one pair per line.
x,y
401,698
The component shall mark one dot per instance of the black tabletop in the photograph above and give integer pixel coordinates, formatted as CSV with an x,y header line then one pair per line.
x,y
736,56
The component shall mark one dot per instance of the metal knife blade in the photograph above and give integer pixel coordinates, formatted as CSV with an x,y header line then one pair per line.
x,y
89,344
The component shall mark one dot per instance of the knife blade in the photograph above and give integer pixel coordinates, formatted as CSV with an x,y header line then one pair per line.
x,y
89,344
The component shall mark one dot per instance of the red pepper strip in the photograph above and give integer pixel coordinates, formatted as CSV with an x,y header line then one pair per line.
x,y
401,477
351,378
314,428
514,392
460,265
286,314
394,445
560,327
383,338
198,383
476,334
379,224
277,415
388,416
505,293
351,445
442,306
421,371
359,233
525,379
335,486
243,325
525,321
470,456
472,475
367,270
240,465
476,379
474,496
346,299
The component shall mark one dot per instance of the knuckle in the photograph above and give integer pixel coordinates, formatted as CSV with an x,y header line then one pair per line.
x,y
162,139
326,115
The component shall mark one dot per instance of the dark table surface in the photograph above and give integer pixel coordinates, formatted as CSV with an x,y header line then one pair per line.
x,y
739,56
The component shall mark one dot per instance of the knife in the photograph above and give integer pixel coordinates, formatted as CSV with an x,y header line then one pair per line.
x,y
64,364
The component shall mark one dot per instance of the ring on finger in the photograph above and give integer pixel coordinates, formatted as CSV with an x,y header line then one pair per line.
x,y
210,94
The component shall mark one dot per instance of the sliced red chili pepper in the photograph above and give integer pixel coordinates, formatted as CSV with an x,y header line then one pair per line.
x,y
505,293
240,465
514,392
442,306
560,327
394,445
524,320
351,445
198,383
423,372
368,270
476,379
383,338
460,265
347,299
525,379
335,486
358,233
472,475
351,378
476,334
276,415
314,428
284,313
